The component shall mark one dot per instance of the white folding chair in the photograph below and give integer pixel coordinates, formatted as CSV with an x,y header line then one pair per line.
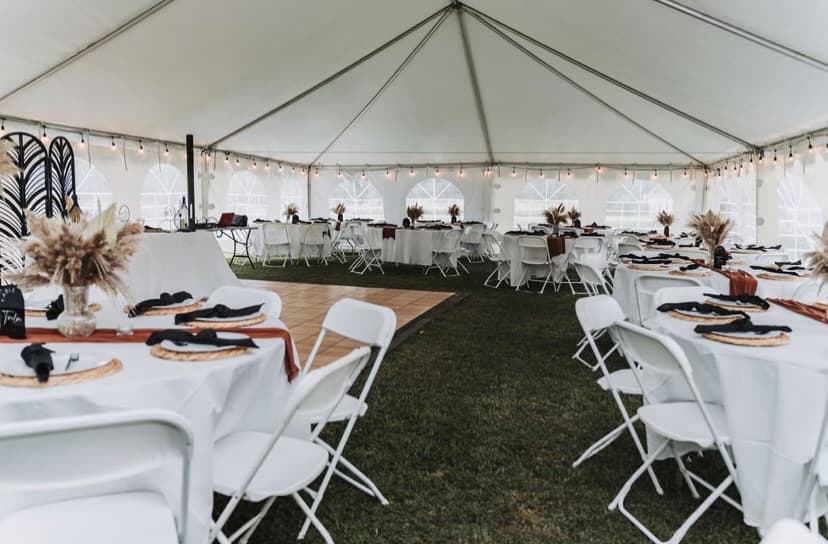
x,y
697,423
646,286
96,479
262,466
591,278
313,243
369,251
445,256
494,253
811,291
473,243
533,251
235,296
276,242
625,248
788,531
373,326
338,241
596,315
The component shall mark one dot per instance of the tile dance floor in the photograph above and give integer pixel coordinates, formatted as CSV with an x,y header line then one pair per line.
x,y
304,306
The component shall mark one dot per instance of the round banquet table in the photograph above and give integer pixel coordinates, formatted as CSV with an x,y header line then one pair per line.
x,y
296,233
409,246
244,393
512,253
774,400
624,287
191,261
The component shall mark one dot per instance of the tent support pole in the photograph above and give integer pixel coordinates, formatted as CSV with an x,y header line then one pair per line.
x,y
387,83
752,37
332,77
308,189
609,79
581,88
90,47
478,97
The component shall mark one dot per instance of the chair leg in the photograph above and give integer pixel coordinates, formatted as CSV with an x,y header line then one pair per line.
x,y
313,519
259,517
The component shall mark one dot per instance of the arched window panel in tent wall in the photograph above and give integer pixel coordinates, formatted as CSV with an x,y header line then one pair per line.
x,y
435,195
246,195
164,187
92,187
294,191
800,216
362,200
737,200
635,204
538,195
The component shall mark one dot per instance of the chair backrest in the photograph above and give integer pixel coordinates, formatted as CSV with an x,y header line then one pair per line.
x,y
533,248
315,234
493,249
680,294
647,285
624,248
321,390
588,244
591,277
275,234
598,312
811,291
450,241
240,297
473,234
59,459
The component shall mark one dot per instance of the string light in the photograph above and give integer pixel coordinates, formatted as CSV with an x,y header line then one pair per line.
x,y
44,136
626,174
461,172
82,142
226,157
141,146
303,169
411,172
437,171
167,152
750,160
362,175
568,173
540,173
3,127
761,156
387,172
292,169
514,172
685,172
774,155
238,162
316,172
655,173
338,172
267,164
790,152
810,145
113,142
254,164
280,167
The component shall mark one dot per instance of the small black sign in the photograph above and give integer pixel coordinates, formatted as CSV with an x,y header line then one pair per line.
x,y
12,312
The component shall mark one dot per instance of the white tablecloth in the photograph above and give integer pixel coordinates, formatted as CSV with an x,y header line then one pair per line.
x,y
409,246
296,233
217,398
512,254
624,287
774,400
191,261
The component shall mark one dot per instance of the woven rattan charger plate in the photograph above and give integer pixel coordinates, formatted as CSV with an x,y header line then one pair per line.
x,y
779,340
650,267
227,324
94,307
160,310
196,356
112,367
709,320
690,273
775,277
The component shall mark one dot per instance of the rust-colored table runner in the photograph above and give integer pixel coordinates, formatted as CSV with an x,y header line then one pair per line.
x,y
801,308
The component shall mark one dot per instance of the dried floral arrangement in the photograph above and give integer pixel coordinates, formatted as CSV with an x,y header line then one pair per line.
x,y
291,210
454,210
712,228
7,166
556,216
339,208
574,214
818,259
78,254
665,218
414,212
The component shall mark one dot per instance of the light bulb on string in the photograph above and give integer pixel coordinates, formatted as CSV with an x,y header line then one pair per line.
x,y
568,173
167,152
655,173
3,127
626,174
514,172
411,171
388,172
790,152
292,169
810,145
461,172
280,167
303,169
140,146
113,143
316,172
750,160
238,162
338,172
83,141
685,172
226,157
254,164
437,171
774,155
267,164
540,173
362,175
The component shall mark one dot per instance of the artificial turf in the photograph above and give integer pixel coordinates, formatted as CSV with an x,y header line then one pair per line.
x,y
473,424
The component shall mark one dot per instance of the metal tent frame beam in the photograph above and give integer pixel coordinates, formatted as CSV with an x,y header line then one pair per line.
x,y
90,47
478,97
580,87
609,79
386,84
332,77
777,47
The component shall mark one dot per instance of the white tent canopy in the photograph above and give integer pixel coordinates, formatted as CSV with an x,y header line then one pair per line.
x,y
647,82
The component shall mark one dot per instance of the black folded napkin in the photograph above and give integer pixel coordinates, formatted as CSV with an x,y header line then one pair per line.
x,y
753,300
741,325
774,270
673,256
699,308
686,245
643,259
39,358
788,263
219,310
165,299
207,337
658,242
694,266
754,247
55,308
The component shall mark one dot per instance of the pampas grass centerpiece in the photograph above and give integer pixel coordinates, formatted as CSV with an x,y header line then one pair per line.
x,y
414,212
339,209
712,228
556,216
666,219
818,258
574,215
454,212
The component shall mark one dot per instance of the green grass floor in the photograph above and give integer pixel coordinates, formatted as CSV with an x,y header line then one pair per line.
x,y
473,425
